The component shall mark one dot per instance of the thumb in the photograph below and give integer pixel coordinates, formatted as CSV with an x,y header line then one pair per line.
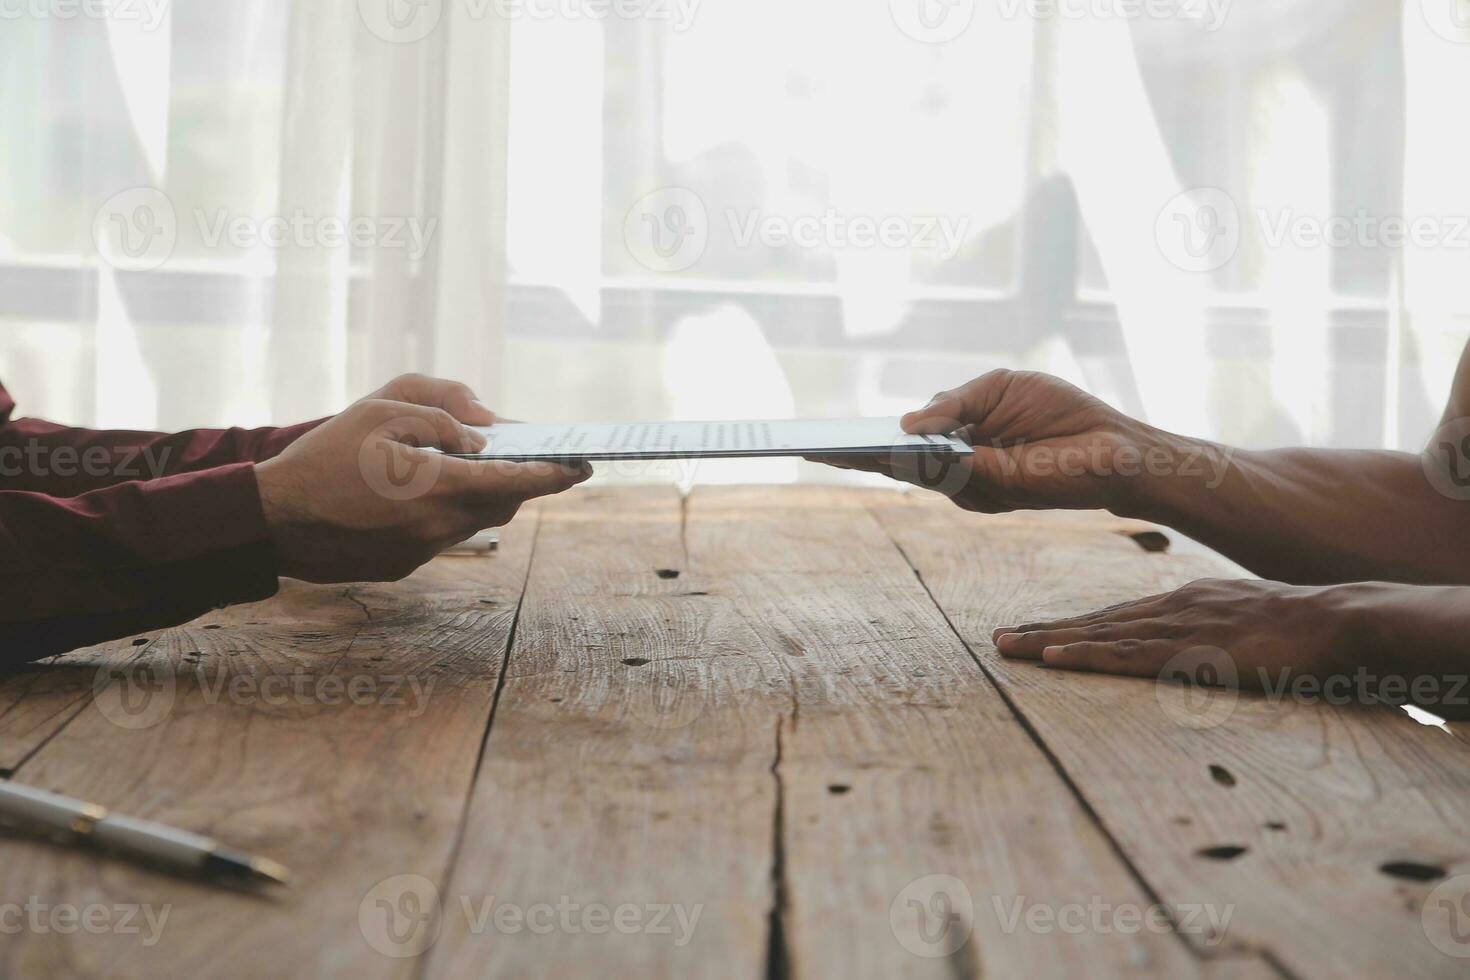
x,y
941,416
428,428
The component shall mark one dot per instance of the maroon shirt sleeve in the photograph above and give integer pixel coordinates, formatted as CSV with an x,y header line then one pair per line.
x,y
136,554
64,462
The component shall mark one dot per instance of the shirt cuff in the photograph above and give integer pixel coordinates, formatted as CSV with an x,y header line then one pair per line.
x,y
210,536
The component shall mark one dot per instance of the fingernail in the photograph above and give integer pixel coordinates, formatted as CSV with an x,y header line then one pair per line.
x,y
476,403
477,439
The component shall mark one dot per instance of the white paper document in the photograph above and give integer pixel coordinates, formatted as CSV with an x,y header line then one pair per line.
x,y
710,440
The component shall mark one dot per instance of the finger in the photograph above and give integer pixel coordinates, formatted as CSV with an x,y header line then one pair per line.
x,y
1030,646
1130,658
965,406
491,481
424,427
866,464
1123,612
455,398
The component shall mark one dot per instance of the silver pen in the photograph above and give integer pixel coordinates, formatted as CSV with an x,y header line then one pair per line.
x,y
180,850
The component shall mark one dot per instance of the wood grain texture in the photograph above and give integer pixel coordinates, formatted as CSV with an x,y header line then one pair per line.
x,y
1318,798
629,765
335,729
915,808
39,701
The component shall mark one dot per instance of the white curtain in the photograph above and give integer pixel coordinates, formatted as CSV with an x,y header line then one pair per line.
x,y
271,130
513,149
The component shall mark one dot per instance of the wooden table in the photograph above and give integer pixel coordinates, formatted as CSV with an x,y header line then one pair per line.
x,y
757,731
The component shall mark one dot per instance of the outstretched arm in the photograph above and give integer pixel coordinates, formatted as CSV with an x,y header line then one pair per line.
x,y
128,558
361,497
1303,516
64,461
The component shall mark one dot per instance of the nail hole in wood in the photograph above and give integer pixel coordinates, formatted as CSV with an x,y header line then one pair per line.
x,y
1275,825
637,662
140,641
1223,852
839,789
1222,775
1412,870
213,626
1154,542
667,573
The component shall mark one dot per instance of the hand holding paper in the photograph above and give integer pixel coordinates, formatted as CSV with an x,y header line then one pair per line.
x,y
591,441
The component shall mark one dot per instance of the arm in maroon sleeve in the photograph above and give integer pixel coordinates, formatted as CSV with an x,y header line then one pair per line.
x,y
129,558
64,462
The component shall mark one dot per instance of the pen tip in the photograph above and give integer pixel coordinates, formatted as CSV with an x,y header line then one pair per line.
x,y
228,863
271,871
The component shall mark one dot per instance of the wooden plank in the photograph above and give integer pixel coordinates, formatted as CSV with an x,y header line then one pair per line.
x,y
39,701
629,765
912,799
335,729
1320,798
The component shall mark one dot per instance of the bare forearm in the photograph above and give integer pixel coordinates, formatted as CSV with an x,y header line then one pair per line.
x,y
1309,516
1414,642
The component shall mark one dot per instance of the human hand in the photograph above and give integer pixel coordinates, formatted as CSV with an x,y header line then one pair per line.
x,y
1039,443
1259,628
364,497
1362,643
455,398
